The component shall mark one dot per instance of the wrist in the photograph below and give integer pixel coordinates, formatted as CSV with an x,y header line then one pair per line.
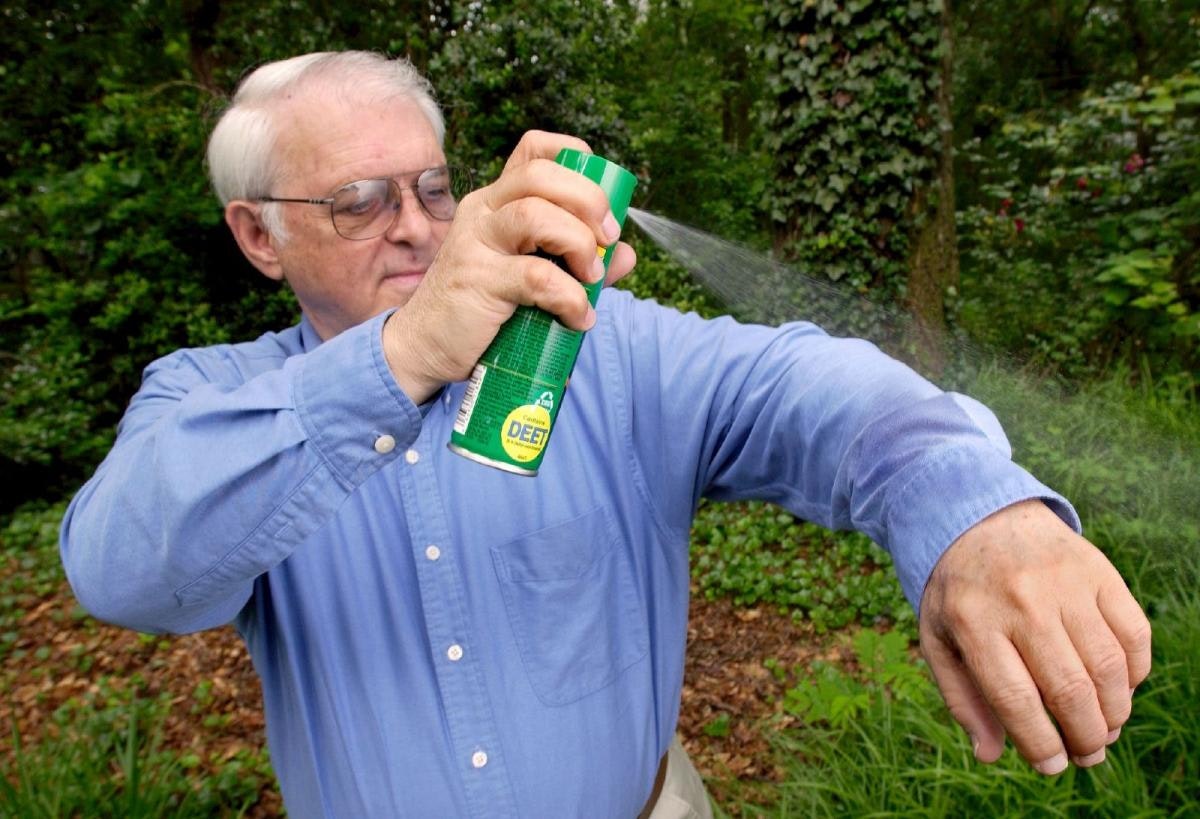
x,y
404,361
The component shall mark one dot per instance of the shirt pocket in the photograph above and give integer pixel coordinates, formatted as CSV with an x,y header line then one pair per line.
x,y
573,604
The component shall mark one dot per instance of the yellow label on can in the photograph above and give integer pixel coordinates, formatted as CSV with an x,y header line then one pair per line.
x,y
525,432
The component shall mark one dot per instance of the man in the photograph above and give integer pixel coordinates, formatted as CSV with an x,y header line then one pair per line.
x,y
437,638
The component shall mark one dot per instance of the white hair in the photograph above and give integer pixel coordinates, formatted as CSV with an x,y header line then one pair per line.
x,y
242,150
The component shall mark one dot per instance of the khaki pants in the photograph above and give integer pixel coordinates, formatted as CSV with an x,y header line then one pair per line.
x,y
683,795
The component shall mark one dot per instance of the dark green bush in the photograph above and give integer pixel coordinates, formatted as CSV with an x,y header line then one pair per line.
x,y
126,258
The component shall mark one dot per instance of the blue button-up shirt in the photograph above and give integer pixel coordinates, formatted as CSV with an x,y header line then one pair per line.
x,y
439,638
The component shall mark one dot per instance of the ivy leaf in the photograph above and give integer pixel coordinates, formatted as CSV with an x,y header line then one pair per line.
x,y
826,200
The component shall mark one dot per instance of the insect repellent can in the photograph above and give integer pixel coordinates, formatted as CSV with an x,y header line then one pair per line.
x,y
515,391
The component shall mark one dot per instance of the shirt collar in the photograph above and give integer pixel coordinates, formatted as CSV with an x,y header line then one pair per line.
x,y
309,340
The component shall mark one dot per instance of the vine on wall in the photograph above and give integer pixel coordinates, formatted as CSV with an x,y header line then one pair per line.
x,y
854,127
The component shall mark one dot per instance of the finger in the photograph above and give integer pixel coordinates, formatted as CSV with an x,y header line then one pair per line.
x,y
1127,621
1107,665
963,698
1068,690
532,224
624,258
1016,701
543,145
541,283
568,189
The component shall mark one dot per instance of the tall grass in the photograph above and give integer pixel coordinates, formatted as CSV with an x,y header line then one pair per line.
x,y
900,754
106,758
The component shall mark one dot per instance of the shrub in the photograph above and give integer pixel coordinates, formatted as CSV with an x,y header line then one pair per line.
x,y
1088,250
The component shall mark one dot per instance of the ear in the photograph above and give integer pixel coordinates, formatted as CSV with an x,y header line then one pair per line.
x,y
253,238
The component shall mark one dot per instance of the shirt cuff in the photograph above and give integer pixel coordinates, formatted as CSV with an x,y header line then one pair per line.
x,y
923,523
350,406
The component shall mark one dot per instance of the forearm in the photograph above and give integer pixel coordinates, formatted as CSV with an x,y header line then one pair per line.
x,y
907,464
833,429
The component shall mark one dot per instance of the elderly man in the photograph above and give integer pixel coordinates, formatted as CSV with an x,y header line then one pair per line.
x,y
437,638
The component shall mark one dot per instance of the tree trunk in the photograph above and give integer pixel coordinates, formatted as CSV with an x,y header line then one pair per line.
x,y
200,17
933,260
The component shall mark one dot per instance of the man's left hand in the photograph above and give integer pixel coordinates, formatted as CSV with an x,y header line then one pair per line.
x,y
1024,622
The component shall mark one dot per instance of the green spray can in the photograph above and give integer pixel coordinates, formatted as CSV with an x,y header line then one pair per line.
x,y
516,389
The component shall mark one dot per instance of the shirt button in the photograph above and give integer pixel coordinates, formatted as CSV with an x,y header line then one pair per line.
x,y
455,653
433,552
385,444
479,759
412,456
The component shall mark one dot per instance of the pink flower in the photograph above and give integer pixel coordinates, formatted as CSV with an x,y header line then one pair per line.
x,y
1019,224
1135,163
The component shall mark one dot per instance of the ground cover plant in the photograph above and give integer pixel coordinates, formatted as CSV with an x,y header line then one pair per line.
x,y
758,553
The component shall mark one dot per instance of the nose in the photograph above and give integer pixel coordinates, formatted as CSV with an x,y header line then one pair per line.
x,y
410,224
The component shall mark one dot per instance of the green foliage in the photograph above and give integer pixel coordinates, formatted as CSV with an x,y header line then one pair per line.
x,y
855,132
1127,457
127,259
225,39
835,698
1030,55
757,553
1167,722
1085,247
54,60
689,98
718,727
103,757
506,69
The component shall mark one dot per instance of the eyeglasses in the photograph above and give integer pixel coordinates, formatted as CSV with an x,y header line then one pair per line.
x,y
368,208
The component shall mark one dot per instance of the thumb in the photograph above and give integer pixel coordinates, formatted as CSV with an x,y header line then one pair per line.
x,y
963,697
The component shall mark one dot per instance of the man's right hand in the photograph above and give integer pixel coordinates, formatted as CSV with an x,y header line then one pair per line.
x,y
484,269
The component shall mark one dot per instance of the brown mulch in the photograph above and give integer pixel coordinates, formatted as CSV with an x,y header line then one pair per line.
x,y
730,698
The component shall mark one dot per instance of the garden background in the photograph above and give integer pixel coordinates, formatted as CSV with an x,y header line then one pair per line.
x,y
1005,194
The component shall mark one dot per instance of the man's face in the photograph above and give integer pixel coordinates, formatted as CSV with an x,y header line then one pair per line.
x,y
326,143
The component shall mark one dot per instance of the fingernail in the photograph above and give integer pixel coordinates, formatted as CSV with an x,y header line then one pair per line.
x,y
975,745
597,269
611,229
1052,766
1090,760
589,321
1112,736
